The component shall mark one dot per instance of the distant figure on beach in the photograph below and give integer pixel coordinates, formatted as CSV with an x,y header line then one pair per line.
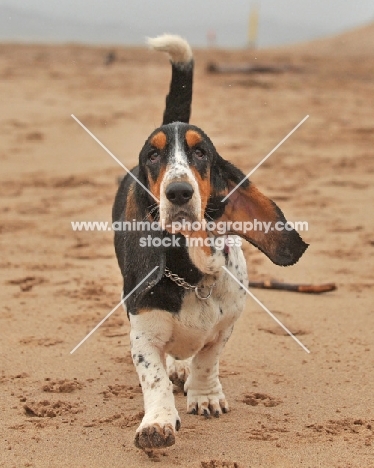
x,y
110,58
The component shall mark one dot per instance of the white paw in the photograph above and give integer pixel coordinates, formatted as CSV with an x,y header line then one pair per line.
x,y
157,430
207,403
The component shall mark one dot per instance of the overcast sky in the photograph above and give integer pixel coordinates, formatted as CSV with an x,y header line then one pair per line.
x,y
228,17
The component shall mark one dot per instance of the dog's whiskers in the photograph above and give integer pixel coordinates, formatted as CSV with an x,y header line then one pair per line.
x,y
152,210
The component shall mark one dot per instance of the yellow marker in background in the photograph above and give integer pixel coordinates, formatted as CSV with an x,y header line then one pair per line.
x,y
253,26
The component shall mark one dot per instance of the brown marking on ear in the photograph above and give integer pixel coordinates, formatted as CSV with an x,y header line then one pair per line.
x,y
131,206
193,138
159,140
249,204
283,247
204,187
155,185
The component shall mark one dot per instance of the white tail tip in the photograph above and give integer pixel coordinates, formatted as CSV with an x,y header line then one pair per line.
x,y
178,48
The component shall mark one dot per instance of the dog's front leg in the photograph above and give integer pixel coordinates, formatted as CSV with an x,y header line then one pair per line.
x,y
204,390
150,331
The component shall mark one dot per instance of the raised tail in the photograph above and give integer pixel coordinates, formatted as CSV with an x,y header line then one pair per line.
x,y
179,99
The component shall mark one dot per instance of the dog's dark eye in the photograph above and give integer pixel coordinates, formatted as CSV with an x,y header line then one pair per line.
x,y
198,153
153,156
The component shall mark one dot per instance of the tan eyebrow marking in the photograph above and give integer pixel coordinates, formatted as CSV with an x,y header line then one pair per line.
x,y
193,138
159,140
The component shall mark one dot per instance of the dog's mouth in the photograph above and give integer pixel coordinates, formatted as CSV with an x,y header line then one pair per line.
x,y
183,217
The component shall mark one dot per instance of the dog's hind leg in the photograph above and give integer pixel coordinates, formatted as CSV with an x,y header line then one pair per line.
x,y
204,390
178,370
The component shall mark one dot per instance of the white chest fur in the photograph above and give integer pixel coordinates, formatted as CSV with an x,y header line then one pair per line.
x,y
200,321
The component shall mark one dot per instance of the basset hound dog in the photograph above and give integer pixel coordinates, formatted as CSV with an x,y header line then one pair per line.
x,y
183,314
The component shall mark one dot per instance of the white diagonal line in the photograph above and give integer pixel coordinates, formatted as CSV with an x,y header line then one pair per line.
x,y
268,311
114,157
113,310
265,158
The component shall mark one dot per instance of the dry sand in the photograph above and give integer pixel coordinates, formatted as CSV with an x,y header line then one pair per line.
x,y
289,408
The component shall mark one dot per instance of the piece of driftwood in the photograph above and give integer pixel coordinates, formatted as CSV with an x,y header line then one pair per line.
x,y
302,288
247,69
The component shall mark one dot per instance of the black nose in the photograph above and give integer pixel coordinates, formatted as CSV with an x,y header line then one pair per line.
x,y
179,193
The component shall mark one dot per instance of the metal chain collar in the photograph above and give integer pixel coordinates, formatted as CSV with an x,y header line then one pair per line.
x,y
183,284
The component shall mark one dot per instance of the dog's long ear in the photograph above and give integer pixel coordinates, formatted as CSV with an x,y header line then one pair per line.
x,y
247,203
136,255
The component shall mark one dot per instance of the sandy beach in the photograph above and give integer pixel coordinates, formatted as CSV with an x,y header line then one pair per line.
x,y
288,408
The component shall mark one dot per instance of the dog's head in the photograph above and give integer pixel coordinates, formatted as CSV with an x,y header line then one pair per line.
x,y
177,160
190,180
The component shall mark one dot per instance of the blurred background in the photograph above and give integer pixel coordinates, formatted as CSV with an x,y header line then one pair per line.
x,y
223,23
